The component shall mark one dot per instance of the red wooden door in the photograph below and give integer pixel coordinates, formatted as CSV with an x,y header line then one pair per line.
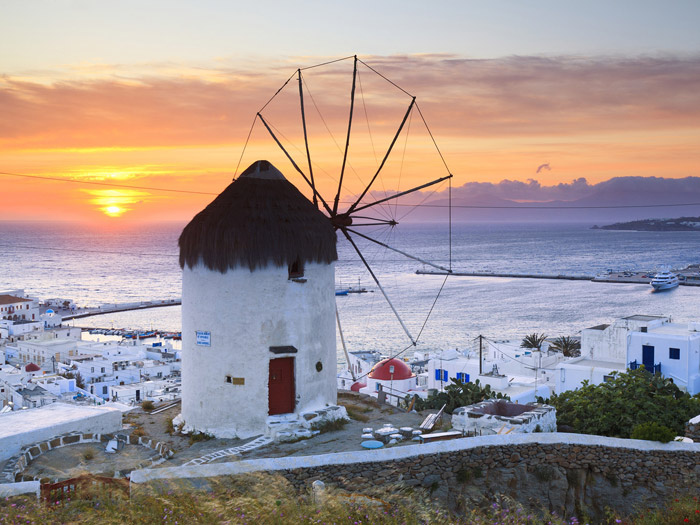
x,y
281,386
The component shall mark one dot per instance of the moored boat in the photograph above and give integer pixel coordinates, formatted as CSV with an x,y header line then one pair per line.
x,y
664,280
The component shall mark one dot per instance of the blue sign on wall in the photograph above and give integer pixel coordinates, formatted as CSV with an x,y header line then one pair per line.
x,y
203,338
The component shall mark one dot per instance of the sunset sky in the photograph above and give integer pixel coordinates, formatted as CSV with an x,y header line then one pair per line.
x,y
162,94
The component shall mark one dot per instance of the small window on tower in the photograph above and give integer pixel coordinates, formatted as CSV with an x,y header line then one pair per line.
x,y
296,270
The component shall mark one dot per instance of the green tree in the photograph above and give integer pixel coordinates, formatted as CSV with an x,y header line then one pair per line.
x,y
458,394
533,341
615,407
79,381
568,346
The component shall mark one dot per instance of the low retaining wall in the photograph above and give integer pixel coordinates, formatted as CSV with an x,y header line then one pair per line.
x,y
24,427
566,473
16,464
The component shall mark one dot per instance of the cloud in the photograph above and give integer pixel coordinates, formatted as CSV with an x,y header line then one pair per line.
x,y
460,97
519,191
615,191
537,95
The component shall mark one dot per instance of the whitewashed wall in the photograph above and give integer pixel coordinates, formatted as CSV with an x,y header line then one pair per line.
x,y
685,371
25,427
247,312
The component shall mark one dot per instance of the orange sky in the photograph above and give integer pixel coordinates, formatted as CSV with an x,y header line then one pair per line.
x,y
493,119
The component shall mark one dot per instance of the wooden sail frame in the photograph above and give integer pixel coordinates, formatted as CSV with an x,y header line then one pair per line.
x,y
342,221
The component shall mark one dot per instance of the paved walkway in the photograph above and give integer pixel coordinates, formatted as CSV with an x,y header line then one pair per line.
x,y
233,451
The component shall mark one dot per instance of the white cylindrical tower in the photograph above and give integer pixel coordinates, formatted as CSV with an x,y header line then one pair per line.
x,y
258,307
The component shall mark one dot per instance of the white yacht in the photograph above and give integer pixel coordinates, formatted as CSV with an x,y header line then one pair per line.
x,y
664,280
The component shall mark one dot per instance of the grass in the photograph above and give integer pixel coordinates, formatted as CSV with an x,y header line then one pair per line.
x,y
147,405
89,455
138,432
330,426
169,428
263,499
681,510
196,437
357,413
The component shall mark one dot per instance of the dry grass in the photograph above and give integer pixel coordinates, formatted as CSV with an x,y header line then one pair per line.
x,y
263,499
357,413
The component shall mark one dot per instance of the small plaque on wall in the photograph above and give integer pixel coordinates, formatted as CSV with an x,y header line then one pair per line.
x,y
203,338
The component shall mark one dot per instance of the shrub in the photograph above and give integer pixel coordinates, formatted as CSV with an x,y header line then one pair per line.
x,y
169,428
614,408
138,432
147,405
652,431
88,455
458,394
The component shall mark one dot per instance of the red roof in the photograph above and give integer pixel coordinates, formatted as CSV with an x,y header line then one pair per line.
x,y
31,367
357,385
11,299
382,370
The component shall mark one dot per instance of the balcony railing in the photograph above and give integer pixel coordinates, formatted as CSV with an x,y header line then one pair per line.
x,y
654,369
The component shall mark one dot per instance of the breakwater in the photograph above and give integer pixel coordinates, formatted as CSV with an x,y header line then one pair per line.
x,y
687,278
67,315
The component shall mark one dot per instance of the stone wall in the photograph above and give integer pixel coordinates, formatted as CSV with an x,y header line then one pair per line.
x,y
492,417
15,465
566,473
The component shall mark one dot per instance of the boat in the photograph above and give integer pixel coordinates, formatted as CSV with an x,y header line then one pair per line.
x,y
664,280
342,292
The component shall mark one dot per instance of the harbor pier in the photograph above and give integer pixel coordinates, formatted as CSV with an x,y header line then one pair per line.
x,y
688,277
89,311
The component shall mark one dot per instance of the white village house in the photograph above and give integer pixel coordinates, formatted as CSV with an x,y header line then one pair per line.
x,y
672,349
14,306
258,308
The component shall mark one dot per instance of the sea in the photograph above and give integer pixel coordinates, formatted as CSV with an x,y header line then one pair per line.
x,y
95,265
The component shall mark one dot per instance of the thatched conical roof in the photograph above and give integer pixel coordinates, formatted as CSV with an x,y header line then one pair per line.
x,y
259,219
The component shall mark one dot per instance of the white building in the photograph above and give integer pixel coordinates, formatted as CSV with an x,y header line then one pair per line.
x,y
519,373
258,308
604,350
394,379
158,391
46,353
671,349
15,330
17,307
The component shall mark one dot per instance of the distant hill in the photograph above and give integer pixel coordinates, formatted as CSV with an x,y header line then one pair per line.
x,y
680,224
619,199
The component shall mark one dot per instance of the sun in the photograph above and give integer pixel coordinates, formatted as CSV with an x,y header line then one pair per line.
x,y
113,211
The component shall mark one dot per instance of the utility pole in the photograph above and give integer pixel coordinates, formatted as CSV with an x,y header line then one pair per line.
x,y
481,350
